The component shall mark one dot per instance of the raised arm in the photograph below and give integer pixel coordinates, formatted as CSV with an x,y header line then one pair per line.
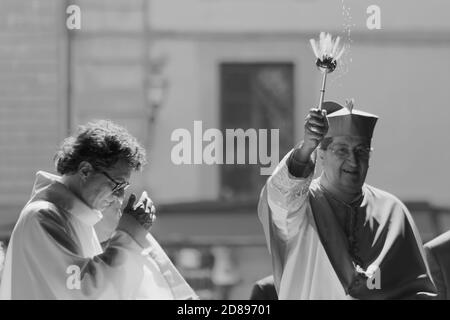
x,y
287,187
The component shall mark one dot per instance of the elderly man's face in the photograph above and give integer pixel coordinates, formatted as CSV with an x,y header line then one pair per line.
x,y
346,162
97,190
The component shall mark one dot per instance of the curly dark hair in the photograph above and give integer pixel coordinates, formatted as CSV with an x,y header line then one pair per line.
x,y
101,143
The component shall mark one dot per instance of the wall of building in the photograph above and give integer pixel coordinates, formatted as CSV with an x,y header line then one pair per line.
x,y
394,72
296,15
32,97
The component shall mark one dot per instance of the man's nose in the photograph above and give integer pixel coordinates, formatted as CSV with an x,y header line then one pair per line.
x,y
352,159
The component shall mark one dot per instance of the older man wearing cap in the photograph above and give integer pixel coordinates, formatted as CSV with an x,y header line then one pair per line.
x,y
336,237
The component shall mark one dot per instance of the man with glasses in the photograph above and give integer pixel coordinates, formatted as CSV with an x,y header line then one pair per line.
x,y
54,252
336,237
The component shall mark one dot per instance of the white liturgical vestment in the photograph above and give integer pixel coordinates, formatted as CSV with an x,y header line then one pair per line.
x,y
307,273
323,248
54,253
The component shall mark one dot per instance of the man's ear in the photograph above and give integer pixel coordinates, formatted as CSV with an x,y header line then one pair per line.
x,y
85,169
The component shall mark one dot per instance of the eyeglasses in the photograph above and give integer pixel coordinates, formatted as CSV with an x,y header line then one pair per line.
x,y
119,186
343,152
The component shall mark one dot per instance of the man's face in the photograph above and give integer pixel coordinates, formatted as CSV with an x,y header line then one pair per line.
x,y
97,190
346,162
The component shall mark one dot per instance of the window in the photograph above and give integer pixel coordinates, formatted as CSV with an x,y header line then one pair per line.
x,y
258,96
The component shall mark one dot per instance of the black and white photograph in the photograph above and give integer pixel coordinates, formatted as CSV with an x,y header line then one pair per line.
x,y
224,150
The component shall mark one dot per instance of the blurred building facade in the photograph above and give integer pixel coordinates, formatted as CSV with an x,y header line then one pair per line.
x,y
157,66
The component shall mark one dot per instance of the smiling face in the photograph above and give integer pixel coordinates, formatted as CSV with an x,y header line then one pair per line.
x,y
97,189
346,171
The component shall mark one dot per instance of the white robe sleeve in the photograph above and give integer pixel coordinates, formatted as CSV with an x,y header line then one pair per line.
x,y
286,196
